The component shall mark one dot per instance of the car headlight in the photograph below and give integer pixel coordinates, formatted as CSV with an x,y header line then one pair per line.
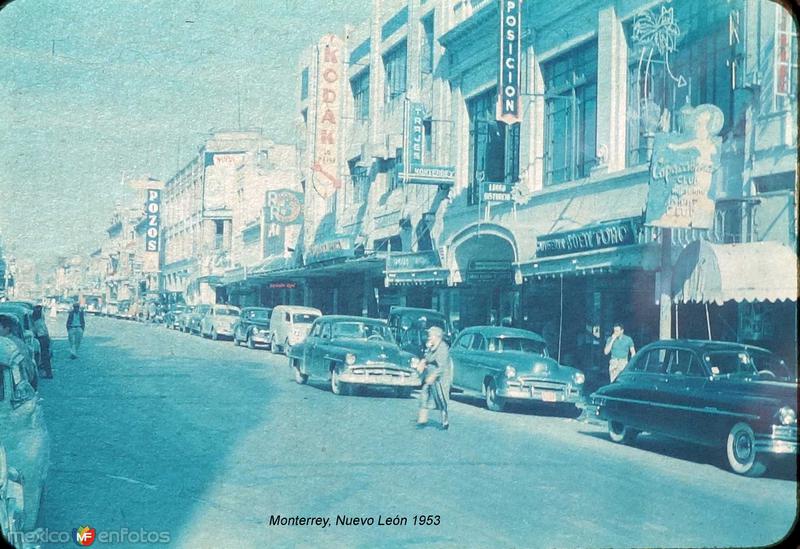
x,y
578,378
414,362
511,371
787,415
349,359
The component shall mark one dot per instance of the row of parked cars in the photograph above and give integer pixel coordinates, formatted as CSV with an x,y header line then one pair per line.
x,y
24,441
737,398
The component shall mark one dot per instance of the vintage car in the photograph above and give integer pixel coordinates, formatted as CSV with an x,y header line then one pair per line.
x,y
184,318
17,337
706,392
12,500
218,321
289,325
350,352
252,327
22,429
502,364
172,315
196,317
409,326
24,317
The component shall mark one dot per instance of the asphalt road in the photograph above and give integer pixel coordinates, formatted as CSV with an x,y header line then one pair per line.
x,y
170,435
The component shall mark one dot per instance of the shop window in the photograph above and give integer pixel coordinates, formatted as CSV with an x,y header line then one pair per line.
x,y
360,87
394,64
426,48
698,71
494,146
570,114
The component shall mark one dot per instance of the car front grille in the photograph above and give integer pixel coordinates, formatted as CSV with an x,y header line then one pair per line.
x,y
543,385
380,371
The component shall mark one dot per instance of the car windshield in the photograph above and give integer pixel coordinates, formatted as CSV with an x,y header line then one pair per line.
x,y
523,344
224,311
361,330
304,318
723,363
765,360
258,314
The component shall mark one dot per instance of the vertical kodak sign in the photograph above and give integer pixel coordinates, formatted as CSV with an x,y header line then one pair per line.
x,y
153,213
325,167
508,87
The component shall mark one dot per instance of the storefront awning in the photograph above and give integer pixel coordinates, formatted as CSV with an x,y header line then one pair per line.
x,y
271,264
637,256
716,273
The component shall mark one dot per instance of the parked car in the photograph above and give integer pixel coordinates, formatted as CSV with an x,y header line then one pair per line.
x,y
409,326
706,392
184,319
12,501
22,335
172,315
351,351
218,321
504,364
23,430
193,324
289,325
252,327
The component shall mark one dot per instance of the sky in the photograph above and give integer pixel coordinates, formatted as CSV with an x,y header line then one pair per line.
x,y
96,92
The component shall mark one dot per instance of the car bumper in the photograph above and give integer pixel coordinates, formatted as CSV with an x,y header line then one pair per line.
x,y
380,377
259,338
224,331
550,393
782,440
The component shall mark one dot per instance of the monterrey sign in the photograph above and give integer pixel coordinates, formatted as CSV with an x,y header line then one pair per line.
x,y
325,167
508,88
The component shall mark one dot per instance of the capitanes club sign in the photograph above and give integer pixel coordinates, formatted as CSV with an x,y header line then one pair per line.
x,y
508,88
325,167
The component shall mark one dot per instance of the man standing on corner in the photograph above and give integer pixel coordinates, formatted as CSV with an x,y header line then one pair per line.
x,y
435,370
621,348
76,324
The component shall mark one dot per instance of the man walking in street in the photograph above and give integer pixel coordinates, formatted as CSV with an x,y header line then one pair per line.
x,y
621,348
76,324
435,371
43,335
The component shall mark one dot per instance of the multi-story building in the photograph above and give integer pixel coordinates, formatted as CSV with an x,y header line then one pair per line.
x,y
548,221
213,217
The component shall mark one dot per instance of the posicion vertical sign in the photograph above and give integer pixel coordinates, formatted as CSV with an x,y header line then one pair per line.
x,y
153,213
325,167
508,87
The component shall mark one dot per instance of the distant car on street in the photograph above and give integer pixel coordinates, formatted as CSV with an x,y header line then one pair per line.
x,y
711,393
504,364
183,319
172,314
196,316
289,325
252,327
409,326
22,429
218,321
350,352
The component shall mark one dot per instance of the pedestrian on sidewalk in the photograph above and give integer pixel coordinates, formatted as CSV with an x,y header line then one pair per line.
x,y
620,347
43,335
76,324
435,371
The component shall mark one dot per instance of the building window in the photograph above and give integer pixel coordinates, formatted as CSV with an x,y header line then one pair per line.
x,y
427,150
394,64
570,114
219,232
698,71
494,146
359,188
304,84
426,48
360,87
785,58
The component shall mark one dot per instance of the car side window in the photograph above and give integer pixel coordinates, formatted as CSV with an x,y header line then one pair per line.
x,y
478,343
683,362
464,341
287,317
657,361
316,330
326,331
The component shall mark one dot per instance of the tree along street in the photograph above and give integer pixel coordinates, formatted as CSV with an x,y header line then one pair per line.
x,y
163,431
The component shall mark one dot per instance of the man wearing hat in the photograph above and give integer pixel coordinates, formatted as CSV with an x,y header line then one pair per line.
x,y
435,371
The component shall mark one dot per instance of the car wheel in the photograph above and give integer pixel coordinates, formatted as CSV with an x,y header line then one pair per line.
x,y
250,343
337,387
741,451
621,433
299,376
494,402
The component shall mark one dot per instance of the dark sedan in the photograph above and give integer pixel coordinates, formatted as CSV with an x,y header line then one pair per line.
x,y
252,327
350,352
713,393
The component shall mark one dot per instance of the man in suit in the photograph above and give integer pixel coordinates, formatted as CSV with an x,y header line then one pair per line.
x,y
76,324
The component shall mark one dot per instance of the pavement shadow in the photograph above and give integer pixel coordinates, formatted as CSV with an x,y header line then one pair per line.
x,y
777,468
526,408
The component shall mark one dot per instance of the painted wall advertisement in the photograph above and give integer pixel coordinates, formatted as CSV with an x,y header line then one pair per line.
x,y
283,214
325,167
508,88
220,178
683,169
